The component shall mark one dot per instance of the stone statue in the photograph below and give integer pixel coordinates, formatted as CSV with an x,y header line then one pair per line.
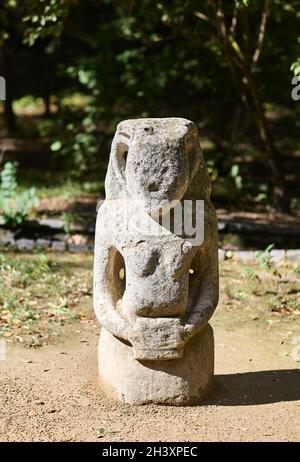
x,y
155,286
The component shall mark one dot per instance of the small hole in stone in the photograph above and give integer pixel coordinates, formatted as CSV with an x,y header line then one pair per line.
x,y
122,274
125,156
119,276
153,186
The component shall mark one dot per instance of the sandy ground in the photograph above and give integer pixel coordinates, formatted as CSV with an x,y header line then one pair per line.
x,y
51,394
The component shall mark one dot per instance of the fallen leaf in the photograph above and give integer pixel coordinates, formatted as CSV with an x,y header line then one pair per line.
x,y
7,334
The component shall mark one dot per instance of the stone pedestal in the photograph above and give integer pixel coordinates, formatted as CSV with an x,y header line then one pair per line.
x,y
182,381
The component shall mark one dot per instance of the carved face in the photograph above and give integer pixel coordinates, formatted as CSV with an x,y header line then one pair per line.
x,y
152,158
156,171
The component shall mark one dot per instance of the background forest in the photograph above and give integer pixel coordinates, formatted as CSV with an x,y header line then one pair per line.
x,y
74,69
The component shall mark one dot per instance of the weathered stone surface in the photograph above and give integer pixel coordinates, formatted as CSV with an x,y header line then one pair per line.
x,y
78,247
156,286
178,382
293,255
78,243
277,255
43,243
244,255
58,246
6,237
25,244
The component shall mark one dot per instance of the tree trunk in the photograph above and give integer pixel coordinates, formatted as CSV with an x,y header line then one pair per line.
x,y
47,105
10,118
245,84
281,198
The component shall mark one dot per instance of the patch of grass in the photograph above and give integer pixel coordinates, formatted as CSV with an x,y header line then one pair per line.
x,y
260,291
39,293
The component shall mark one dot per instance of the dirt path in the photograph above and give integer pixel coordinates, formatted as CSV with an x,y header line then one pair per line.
x,y
51,394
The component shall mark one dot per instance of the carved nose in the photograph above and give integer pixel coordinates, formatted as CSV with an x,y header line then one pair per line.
x,y
153,186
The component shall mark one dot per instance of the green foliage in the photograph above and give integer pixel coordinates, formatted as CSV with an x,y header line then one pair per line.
x,y
69,219
74,139
44,18
14,206
38,294
235,174
252,274
264,258
26,271
295,67
106,61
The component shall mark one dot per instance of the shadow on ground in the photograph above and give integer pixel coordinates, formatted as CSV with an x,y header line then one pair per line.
x,y
260,387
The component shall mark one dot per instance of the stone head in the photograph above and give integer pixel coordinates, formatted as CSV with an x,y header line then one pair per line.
x,y
153,160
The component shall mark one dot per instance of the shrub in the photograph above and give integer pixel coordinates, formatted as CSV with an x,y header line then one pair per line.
x,y
14,206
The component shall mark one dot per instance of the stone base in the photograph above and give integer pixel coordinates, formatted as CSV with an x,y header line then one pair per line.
x,y
176,382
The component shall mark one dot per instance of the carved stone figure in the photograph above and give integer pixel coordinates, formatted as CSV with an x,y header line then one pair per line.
x,y
155,285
